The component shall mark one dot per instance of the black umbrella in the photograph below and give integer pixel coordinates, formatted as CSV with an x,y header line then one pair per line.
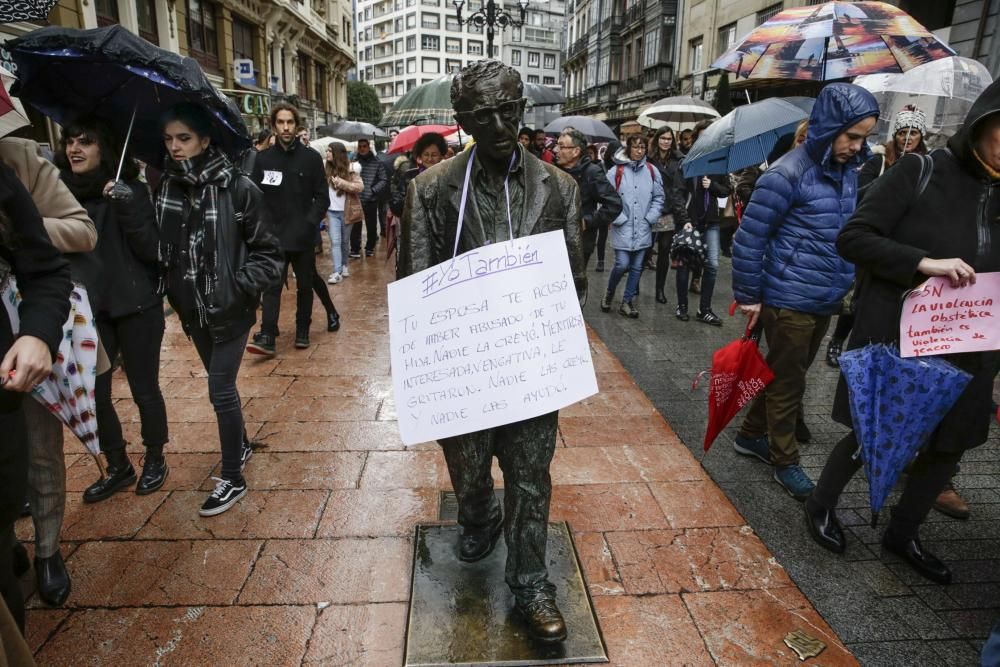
x,y
352,130
12,11
119,78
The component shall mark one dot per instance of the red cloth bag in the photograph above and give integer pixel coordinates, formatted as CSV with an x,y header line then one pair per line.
x,y
738,374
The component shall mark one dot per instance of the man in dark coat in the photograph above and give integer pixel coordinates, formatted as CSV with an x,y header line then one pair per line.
x,y
488,99
296,195
909,226
600,203
786,270
376,181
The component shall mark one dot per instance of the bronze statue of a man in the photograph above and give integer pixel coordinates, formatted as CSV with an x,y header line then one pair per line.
x,y
509,191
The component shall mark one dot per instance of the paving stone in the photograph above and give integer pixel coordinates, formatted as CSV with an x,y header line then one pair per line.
x,y
364,635
346,571
372,512
628,623
335,436
606,507
182,572
695,505
305,470
182,636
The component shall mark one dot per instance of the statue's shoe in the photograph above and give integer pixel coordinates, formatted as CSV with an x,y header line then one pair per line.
x,y
477,543
545,622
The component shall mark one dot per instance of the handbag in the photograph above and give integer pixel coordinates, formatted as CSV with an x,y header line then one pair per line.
x,y
353,213
664,224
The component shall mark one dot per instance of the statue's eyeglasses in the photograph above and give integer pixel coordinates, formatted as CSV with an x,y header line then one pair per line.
x,y
484,115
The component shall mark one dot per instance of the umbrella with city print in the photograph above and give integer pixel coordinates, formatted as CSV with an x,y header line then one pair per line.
x,y
12,11
123,80
431,103
834,40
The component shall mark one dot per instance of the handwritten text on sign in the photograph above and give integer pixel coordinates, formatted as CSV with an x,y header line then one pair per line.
x,y
939,319
492,337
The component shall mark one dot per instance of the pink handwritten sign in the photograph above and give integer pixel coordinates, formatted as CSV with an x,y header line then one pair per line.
x,y
939,319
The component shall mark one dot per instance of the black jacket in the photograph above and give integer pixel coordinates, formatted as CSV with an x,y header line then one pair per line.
x,y
674,195
375,178
893,229
400,181
249,259
299,202
700,215
125,259
600,204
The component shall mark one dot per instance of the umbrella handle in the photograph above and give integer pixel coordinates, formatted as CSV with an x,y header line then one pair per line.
x,y
128,135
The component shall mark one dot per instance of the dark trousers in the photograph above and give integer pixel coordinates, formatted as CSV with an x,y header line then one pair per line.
x,y
663,241
524,450
594,239
929,474
304,265
602,242
322,292
793,338
844,325
222,362
137,337
371,228
13,485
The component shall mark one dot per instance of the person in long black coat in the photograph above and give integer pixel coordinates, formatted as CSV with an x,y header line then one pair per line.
x,y
897,238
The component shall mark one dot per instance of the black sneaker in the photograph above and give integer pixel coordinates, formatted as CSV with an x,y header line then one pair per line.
x,y
332,321
225,496
708,317
301,340
262,343
245,453
681,313
600,266
369,253
354,254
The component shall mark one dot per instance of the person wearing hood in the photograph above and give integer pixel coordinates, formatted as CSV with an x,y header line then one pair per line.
x,y
787,274
600,204
640,187
913,225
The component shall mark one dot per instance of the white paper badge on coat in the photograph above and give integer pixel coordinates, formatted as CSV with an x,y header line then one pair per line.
x,y
491,337
272,177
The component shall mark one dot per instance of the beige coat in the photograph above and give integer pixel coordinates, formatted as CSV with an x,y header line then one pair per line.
x,y
69,227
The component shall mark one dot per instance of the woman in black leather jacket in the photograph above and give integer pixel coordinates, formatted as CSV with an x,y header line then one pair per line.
x,y
122,290
217,254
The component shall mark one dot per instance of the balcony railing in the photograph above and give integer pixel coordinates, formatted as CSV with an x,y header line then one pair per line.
x,y
577,47
634,14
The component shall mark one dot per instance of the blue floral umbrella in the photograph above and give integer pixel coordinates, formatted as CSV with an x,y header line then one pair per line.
x,y
896,404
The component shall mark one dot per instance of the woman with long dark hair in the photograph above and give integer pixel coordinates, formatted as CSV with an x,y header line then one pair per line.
x,y
344,178
217,254
123,294
664,153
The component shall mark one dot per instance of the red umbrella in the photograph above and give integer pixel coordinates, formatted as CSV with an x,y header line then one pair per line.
x,y
407,138
738,374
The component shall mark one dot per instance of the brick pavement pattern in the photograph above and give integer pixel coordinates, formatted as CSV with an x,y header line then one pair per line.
x,y
886,614
312,567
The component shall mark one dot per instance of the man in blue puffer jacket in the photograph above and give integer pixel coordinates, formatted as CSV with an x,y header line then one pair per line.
x,y
786,270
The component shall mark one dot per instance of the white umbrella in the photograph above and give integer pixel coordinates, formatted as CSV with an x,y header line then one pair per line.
x,y
943,89
321,144
680,109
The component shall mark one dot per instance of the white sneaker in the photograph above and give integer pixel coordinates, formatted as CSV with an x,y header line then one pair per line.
x,y
334,278
344,273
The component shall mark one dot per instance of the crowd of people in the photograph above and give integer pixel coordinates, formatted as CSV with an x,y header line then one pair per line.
x,y
822,229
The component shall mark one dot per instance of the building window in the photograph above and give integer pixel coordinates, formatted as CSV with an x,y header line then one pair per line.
x,y
410,84
532,78
550,61
475,48
451,24
549,80
696,48
452,45
515,35
411,65
399,67
431,3
107,12
399,24
411,43
347,30
243,39
202,34
515,57
727,38
652,47
452,66
400,87
320,85
399,45
768,12
430,20
430,65
146,15
533,58
302,72
430,43
411,20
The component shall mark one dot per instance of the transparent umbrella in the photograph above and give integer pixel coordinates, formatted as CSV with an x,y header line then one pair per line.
x,y
943,89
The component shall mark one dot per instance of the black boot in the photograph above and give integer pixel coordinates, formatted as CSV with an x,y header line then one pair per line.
x,y
332,320
824,527
477,543
544,620
154,472
921,560
119,477
52,579
660,296
301,339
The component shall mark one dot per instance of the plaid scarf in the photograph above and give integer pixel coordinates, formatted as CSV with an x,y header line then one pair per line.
x,y
187,211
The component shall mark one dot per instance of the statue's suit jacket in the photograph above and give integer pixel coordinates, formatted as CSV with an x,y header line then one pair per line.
x,y
430,215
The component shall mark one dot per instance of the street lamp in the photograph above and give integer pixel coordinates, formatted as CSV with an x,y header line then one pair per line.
x,y
492,15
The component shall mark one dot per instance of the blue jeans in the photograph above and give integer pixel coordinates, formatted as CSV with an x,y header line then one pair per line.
x,y
708,274
340,240
631,261
991,649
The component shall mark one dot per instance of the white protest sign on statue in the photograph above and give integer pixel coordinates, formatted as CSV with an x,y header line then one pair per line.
x,y
491,337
